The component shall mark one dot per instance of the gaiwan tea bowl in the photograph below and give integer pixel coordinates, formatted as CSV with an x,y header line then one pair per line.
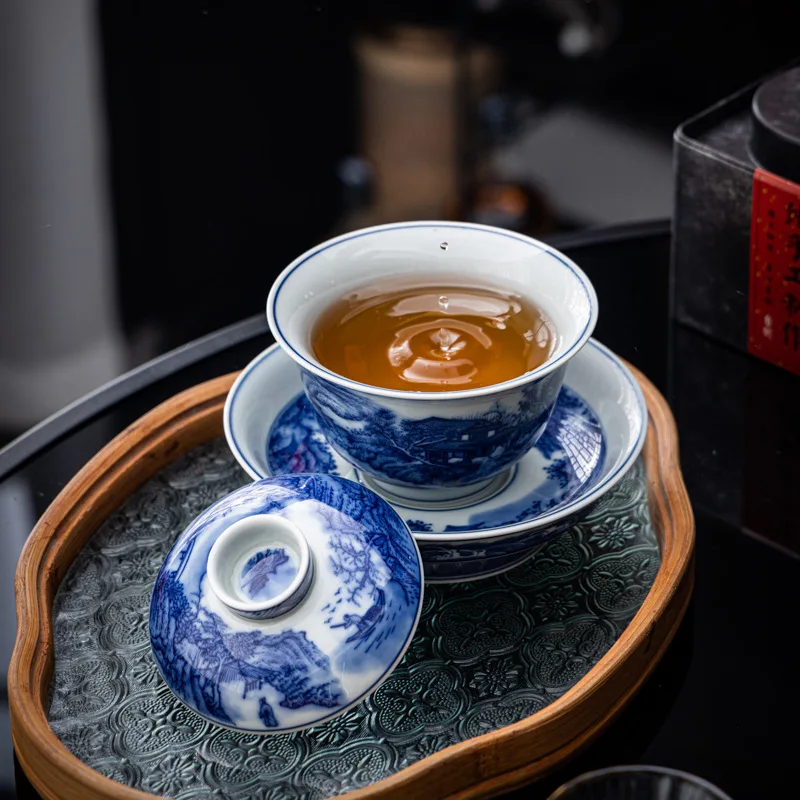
x,y
453,446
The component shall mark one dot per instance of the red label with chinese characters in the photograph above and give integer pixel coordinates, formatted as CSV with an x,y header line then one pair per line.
x,y
774,329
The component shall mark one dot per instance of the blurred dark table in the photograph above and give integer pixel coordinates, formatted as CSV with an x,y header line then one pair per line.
x,y
724,701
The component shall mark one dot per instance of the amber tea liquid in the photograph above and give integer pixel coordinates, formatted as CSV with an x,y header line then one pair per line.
x,y
432,338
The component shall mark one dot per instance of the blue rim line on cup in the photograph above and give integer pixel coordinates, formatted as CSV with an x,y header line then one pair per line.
x,y
571,507
402,394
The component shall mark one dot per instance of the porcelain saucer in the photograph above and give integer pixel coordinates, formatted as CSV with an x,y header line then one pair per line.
x,y
594,436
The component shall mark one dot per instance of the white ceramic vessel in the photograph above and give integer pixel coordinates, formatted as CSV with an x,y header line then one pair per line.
x,y
433,446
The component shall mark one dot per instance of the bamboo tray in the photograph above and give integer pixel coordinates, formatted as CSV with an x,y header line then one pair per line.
x,y
452,758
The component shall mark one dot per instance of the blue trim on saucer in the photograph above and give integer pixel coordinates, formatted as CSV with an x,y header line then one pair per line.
x,y
356,385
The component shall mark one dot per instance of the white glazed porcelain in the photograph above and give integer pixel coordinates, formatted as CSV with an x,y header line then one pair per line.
x,y
476,539
448,445
285,603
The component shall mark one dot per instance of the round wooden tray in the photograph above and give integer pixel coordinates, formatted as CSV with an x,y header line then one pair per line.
x,y
484,766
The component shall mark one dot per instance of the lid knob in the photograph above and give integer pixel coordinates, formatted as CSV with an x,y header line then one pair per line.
x,y
260,567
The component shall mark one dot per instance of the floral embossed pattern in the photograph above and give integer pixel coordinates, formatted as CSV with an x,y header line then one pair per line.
x,y
486,654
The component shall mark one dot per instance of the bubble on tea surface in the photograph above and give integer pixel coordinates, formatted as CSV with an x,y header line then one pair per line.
x,y
444,245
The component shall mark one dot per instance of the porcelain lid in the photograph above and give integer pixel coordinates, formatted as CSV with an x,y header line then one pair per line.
x,y
286,603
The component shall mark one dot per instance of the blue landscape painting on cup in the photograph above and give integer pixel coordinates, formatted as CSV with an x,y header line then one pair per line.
x,y
572,448
435,450
208,661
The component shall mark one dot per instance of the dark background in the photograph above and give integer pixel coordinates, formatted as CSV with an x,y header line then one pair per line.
x,y
225,126
227,120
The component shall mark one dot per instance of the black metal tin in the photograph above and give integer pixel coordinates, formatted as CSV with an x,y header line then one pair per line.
x,y
716,155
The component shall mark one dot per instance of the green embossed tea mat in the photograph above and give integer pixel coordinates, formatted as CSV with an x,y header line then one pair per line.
x,y
487,655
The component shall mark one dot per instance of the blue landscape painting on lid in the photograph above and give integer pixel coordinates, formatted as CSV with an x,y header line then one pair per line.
x,y
268,573
318,660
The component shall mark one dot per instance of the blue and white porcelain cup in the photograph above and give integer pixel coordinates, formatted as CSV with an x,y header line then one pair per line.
x,y
439,447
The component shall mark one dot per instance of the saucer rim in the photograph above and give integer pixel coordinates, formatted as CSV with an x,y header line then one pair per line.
x,y
561,360
544,520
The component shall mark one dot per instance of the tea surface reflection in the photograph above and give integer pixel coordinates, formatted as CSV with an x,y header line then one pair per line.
x,y
432,338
